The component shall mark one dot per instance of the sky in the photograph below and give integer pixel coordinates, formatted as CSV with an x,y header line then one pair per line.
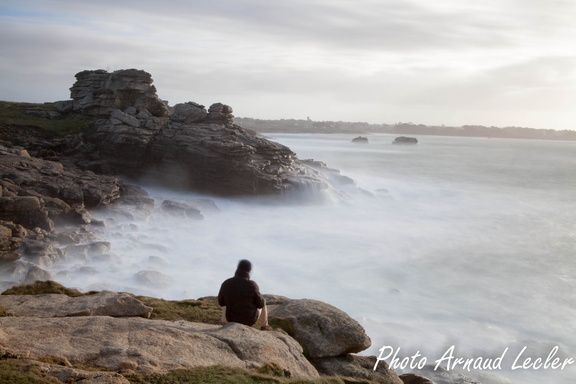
x,y
452,62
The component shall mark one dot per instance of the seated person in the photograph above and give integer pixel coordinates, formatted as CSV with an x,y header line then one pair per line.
x,y
242,300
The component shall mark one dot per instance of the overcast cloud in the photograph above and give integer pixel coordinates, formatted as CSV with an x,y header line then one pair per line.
x,y
452,62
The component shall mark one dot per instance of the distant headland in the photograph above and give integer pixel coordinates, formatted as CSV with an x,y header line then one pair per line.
x,y
311,126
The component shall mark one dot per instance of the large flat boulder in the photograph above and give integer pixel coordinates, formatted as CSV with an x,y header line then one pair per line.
x,y
323,329
56,305
150,346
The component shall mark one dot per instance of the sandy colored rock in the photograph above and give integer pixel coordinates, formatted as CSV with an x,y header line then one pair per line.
x,y
150,346
56,305
325,330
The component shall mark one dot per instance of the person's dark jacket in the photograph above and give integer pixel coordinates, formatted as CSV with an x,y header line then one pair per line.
x,y
242,298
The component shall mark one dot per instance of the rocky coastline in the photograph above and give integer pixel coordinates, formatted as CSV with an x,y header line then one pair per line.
x,y
49,185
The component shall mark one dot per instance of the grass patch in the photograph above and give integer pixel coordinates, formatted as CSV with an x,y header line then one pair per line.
x,y
43,287
15,371
204,310
227,375
4,312
18,114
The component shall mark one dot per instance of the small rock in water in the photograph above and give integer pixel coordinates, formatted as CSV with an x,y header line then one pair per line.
x,y
154,279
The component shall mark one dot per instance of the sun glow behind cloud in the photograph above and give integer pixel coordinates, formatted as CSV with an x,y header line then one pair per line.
x,y
449,62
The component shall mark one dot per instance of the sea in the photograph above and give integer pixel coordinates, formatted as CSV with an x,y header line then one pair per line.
x,y
456,254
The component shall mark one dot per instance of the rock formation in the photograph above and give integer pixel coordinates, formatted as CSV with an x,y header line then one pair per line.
x,y
188,148
98,93
405,140
360,140
101,331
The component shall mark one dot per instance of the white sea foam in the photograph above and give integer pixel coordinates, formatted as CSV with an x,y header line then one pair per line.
x,y
461,241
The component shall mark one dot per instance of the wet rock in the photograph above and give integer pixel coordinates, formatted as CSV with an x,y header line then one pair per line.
x,y
154,279
181,209
360,140
405,140
9,243
87,251
26,210
411,378
36,273
42,252
360,367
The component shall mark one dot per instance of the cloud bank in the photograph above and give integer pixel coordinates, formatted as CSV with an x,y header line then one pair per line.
x,y
499,62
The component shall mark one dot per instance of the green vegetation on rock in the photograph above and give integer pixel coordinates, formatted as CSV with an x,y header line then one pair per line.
x,y
38,115
204,310
4,312
269,374
15,371
43,287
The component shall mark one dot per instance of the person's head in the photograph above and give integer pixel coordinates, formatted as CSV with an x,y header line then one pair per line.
x,y
245,265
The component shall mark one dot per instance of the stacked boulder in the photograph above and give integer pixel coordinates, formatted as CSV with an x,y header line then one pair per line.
x,y
98,93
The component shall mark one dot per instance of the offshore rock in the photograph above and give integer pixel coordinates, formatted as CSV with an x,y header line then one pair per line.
x,y
322,328
360,140
405,140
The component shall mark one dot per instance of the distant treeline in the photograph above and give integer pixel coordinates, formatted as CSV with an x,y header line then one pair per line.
x,y
310,126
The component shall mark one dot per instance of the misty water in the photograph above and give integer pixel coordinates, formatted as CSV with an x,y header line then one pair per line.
x,y
464,242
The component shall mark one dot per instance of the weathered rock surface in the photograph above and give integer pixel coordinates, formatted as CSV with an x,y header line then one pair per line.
x,y
188,147
73,375
98,92
181,209
150,346
361,367
9,242
206,156
189,112
325,330
56,305
29,179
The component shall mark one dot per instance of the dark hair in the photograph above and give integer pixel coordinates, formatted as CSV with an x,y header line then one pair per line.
x,y
245,265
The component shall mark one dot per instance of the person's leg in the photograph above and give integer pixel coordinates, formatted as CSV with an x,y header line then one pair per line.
x,y
224,320
263,318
